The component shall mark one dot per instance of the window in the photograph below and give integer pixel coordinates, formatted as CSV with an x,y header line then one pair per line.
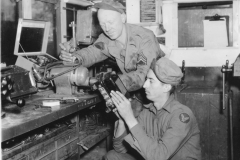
x,y
205,24
143,12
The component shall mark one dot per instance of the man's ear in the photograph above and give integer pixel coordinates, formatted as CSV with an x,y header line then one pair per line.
x,y
167,87
124,17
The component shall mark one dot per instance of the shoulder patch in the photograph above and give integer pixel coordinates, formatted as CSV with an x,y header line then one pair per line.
x,y
99,45
131,39
184,117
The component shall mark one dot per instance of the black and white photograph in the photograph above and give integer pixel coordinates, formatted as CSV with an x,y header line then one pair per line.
x,y
120,79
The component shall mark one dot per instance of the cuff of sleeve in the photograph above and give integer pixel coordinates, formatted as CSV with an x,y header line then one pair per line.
x,y
120,137
118,143
78,58
132,139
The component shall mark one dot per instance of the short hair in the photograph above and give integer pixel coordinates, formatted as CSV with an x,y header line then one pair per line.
x,y
173,89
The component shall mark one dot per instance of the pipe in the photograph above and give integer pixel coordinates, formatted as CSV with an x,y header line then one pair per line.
x,y
231,123
223,75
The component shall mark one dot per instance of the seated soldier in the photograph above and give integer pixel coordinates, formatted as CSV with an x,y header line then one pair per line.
x,y
165,129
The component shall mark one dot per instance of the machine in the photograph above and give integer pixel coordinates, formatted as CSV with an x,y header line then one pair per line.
x,y
67,80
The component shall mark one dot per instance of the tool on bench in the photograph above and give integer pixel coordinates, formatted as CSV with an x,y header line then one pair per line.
x,y
63,100
37,107
48,104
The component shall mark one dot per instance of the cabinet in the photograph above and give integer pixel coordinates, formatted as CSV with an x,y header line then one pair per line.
x,y
62,146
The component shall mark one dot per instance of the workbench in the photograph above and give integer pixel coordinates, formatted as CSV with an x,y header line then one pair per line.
x,y
59,143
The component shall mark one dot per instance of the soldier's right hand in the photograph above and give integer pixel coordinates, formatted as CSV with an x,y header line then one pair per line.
x,y
66,52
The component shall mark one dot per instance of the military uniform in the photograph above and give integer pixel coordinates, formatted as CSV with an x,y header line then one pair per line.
x,y
159,133
134,59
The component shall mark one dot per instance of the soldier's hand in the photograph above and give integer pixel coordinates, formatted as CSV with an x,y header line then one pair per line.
x,y
122,104
67,46
68,57
66,50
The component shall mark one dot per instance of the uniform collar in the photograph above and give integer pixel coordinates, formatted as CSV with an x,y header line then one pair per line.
x,y
130,39
166,106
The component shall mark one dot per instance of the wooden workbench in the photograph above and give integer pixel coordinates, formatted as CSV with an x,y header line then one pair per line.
x,y
59,144
30,118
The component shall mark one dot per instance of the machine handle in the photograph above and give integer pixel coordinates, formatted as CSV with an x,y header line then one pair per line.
x,y
223,75
225,69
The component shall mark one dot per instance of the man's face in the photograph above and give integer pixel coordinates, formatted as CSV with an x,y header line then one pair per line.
x,y
154,88
111,22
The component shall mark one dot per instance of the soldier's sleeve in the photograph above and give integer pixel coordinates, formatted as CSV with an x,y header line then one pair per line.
x,y
162,148
149,50
119,144
94,53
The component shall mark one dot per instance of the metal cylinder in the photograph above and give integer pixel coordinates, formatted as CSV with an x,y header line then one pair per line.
x,y
231,123
79,76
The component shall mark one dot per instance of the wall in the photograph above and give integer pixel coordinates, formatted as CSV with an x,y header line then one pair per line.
x,y
198,56
190,25
203,72
11,12
45,11
213,123
203,95
9,17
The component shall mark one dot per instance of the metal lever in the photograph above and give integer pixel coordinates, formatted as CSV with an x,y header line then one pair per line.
x,y
225,69
230,96
73,25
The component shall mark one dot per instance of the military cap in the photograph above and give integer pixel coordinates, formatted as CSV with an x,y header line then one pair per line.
x,y
167,71
110,5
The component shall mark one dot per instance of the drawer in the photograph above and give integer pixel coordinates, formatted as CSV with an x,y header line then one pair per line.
x,y
36,151
42,150
22,158
51,156
66,138
67,150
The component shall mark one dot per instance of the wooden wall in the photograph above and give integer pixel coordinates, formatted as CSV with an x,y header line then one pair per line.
x,y
214,125
11,11
204,96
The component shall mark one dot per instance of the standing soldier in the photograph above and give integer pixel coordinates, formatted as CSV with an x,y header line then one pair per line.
x,y
132,46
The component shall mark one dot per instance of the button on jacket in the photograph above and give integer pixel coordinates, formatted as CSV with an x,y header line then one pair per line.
x,y
159,133
134,58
